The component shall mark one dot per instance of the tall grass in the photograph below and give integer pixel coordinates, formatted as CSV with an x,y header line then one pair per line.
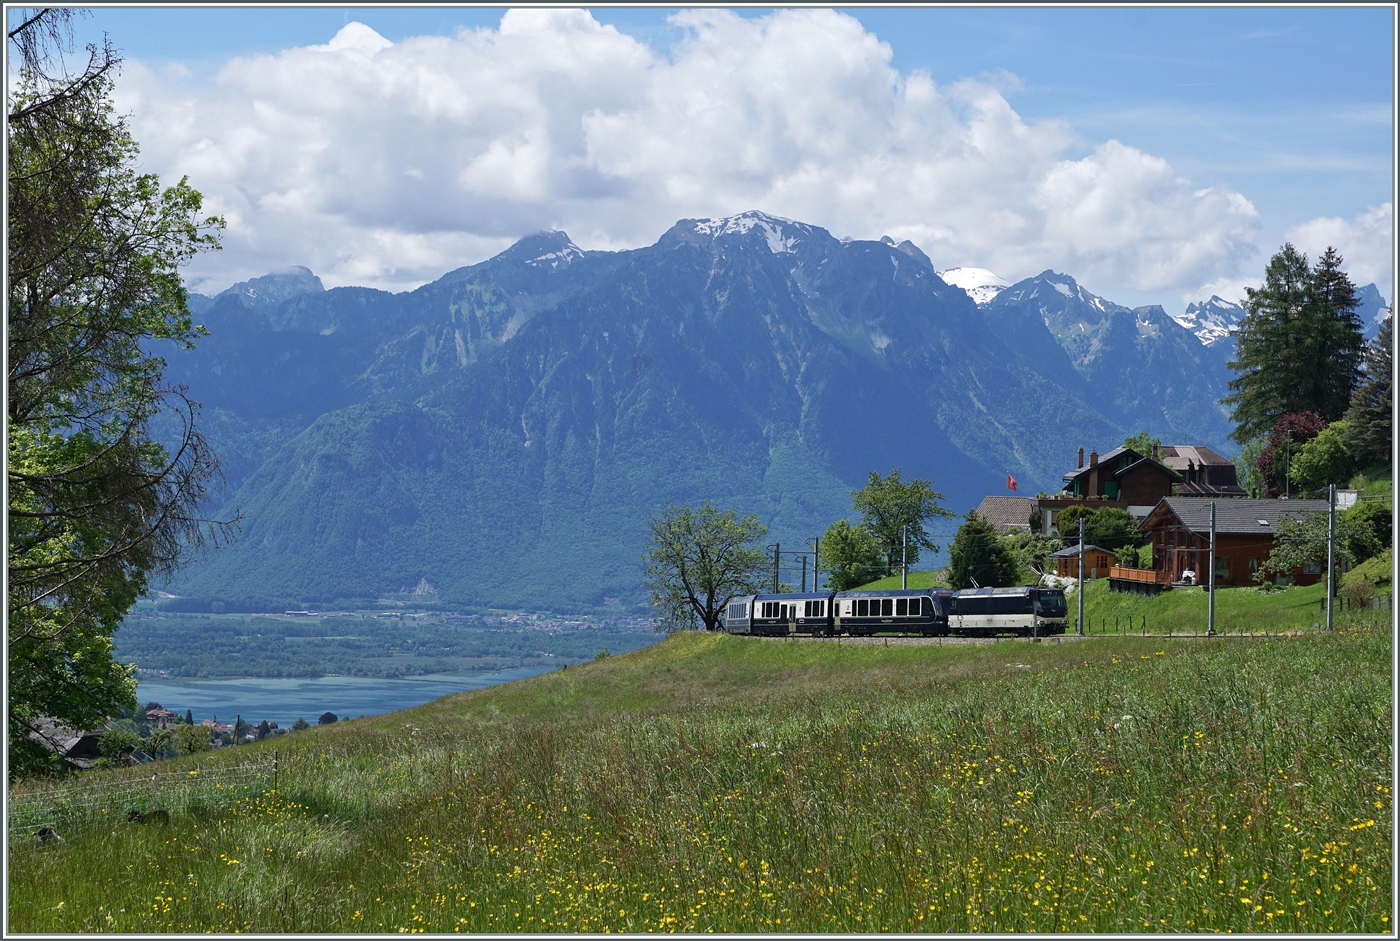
x,y
1183,611
737,784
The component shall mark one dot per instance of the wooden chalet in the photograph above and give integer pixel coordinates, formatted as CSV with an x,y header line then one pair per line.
x,y
1246,531
1097,562
1122,478
1122,474
1203,472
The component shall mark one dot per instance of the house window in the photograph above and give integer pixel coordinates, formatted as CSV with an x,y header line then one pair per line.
x,y
1253,567
1110,489
1312,568
1222,567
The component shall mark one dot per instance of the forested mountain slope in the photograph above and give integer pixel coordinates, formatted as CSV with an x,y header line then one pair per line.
x,y
506,431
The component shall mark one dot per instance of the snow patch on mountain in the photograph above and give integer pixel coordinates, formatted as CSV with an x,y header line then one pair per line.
x,y
1211,321
565,256
980,284
781,234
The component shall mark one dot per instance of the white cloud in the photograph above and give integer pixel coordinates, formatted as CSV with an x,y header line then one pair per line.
x,y
389,163
1228,289
1365,243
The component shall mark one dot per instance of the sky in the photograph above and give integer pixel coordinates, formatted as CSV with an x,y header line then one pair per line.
x,y
1157,155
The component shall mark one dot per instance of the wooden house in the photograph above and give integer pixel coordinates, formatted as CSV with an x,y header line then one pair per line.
x,y
1203,472
1122,478
1122,474
1246,531
1097,562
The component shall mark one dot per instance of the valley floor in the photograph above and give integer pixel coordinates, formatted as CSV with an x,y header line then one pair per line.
x,y
734,784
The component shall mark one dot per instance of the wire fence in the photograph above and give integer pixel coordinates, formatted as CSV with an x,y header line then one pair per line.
x,y
66,807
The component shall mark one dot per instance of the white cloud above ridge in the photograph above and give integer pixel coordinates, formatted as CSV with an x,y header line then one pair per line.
x,y
1364,241
388,164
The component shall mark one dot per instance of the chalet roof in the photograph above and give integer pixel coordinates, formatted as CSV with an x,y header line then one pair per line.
x,y
1106,462
1069,552
1006,513
1192,487
1176,456
1233,516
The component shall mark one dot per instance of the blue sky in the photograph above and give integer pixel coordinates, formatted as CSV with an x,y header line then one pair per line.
x,y
1289,108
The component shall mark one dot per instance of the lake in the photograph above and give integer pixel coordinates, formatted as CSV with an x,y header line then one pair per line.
x,y
283,700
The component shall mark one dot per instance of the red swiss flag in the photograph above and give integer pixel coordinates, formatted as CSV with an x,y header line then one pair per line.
x,y
1010,482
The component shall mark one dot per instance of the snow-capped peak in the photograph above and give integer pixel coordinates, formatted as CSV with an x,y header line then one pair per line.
x,y
980,284
782,234
564,255
1213,320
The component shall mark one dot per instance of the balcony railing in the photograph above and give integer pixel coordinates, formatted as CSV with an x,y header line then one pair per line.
x,y
1151,576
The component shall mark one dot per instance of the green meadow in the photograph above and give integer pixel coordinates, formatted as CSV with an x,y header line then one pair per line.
x,y
739,784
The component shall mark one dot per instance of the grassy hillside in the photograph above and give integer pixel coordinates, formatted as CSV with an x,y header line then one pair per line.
x,y
737,784
1184,610
916,580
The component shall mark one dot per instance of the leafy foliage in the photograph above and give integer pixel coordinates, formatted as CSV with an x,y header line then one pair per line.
x,y
1247,472
1323,460
1299,345
1289,434
1113,528
95,505
1032,551
892,507
850,555
978,558
1067,521
1302,541
698,561
190,739
1378,516
1142,442
118,745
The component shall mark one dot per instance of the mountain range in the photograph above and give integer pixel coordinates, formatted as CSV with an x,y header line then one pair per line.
x,y
506,431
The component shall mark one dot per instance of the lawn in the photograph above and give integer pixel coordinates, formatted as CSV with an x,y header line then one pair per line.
x,y
739,784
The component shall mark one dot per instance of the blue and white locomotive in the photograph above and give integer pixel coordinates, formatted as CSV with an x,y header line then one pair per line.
x,y
930,612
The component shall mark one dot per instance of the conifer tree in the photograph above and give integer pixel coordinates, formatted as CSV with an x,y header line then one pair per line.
x,y
1299,346
1368,417
1335,369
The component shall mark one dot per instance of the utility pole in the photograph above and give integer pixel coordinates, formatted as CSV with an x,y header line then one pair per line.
x,y
1331,548
1081,576
816,542
777,546
904,558
1287,464
804,573
1210,605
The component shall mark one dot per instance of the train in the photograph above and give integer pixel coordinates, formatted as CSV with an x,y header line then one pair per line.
x,y
926,612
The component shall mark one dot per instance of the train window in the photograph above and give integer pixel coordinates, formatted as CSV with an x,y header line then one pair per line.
x,y
821,608
862,608
972,605
887,608
901,607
